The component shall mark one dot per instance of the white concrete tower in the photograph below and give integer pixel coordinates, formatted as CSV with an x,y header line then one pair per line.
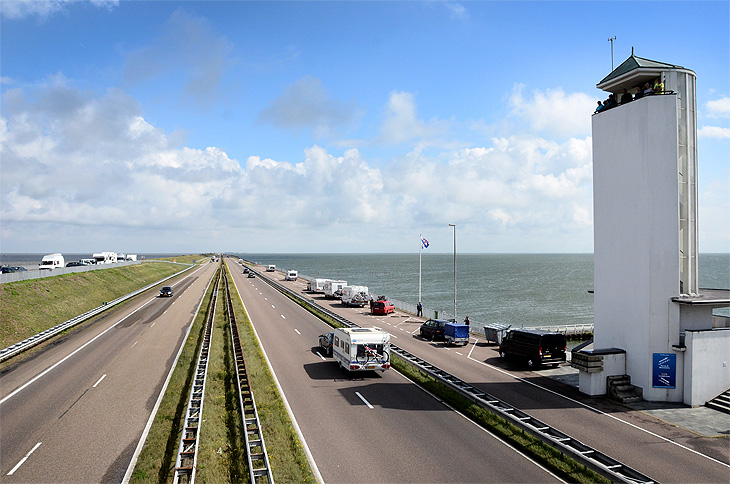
x,y
645,232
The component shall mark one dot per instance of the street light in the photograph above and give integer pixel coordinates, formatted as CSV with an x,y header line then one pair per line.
x,y
454,225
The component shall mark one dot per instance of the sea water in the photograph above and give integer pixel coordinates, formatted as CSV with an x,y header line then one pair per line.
x,y
514,289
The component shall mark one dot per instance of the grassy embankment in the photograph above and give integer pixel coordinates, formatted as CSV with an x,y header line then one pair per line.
x,y
221,454
554,460
29,307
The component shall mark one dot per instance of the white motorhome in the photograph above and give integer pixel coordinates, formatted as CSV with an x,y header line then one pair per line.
x,y
105,257
316,285
355,296
271,268
132,257
291,275
361,349
52,261
331,287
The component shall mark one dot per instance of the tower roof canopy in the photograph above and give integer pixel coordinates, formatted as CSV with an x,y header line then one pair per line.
x,y
634,71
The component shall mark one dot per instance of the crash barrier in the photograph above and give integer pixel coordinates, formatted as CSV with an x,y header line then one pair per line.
x,y
582,453
258,459
187,455
28,343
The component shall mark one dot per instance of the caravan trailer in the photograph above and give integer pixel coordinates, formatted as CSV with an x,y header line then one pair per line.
x,y
355,296
331,287
361,349
105,257
317,285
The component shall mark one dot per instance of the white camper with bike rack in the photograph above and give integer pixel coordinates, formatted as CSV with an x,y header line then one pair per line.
x,y
361,349
331,287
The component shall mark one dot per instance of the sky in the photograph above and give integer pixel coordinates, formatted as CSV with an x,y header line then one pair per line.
x,y
330,126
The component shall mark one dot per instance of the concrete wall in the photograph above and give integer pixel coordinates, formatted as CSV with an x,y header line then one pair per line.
x,y
707,353
636,234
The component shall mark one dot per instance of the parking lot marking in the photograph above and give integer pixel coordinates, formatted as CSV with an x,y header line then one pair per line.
x,y
320,355
363,399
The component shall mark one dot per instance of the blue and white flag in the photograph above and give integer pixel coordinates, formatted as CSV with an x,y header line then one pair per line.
x,y
424,243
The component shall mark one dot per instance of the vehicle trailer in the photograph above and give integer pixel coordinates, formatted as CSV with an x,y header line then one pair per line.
x,y
331,287
361,349
355,296
456,334
317,285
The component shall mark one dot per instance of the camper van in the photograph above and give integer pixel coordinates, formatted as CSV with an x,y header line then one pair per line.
x,y
316,285
355,296
291,275
105,257
331,287
52,261
271,268
361,349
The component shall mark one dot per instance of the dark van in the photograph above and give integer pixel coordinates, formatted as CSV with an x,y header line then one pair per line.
x,y
533,346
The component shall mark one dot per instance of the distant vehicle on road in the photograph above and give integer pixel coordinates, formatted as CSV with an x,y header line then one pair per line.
x,y
166,291
433,329
245,270
271,268
291,275
325,342
11,269
51,261
251,275
361,349
533,346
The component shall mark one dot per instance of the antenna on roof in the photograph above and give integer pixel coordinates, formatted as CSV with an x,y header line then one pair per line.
x,y
611,40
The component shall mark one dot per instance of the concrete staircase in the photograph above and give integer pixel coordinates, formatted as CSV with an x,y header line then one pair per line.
x,y
619,388
720,402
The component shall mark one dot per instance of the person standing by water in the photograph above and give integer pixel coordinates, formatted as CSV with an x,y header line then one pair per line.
x,y
466,321
419,309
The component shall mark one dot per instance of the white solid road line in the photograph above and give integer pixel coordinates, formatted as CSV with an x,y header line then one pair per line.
x,y
363,399
99,381
17,466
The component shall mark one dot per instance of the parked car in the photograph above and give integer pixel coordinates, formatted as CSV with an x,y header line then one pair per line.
x,y
433,329
325,342
534,347
75,264
11,269
383,307
166,291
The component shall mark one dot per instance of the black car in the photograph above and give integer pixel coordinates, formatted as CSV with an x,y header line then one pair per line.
x,y
433,329
75,264
251,275
166,291
11,269
534,347
245,270
325,342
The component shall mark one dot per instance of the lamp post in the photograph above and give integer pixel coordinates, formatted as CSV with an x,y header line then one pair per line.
x,y
454,225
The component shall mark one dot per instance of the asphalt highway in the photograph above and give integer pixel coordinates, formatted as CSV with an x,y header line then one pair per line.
x,y
660,450
75,411
370,427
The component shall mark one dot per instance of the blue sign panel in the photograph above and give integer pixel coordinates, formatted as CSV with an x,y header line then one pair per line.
x,y
665,370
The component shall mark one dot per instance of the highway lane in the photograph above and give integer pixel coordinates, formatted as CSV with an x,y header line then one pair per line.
x,y
634,438
371,427
80,405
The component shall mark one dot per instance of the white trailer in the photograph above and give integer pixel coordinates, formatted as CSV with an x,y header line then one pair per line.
x,y
132,257
331,287
52,261
361,349
355,296
271,268
105,257
316,285
291,275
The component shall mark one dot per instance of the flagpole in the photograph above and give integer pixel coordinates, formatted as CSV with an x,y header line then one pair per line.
x,y
420,249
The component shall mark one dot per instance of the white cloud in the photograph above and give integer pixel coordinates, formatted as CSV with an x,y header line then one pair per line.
x,y
553,112
714,132
307,105
15,9
402,124
719,108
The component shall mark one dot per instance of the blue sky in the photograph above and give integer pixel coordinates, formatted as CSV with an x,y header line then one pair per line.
x,y
163,126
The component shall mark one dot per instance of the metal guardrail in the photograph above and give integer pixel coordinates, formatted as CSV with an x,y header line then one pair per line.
x,y
187,456
582,453
258,459
28,343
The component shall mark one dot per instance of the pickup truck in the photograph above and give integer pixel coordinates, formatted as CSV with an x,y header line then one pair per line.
x,y
455,334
